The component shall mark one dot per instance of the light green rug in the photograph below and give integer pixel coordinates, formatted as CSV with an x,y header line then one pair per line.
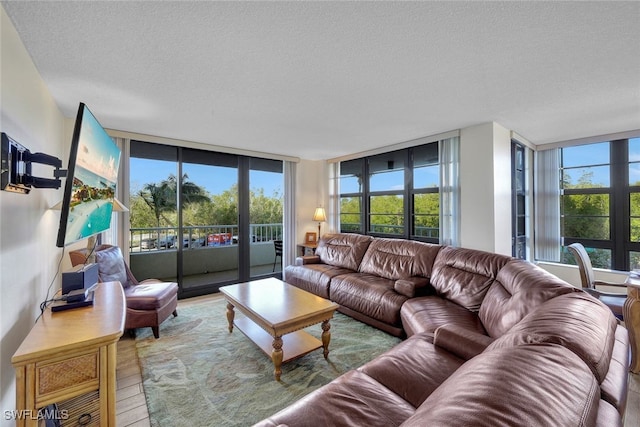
x,y
198,374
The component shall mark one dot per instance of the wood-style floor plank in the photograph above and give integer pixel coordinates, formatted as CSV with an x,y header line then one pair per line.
x,y
131,404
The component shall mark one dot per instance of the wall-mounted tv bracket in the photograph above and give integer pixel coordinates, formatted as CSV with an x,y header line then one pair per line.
x,y
16,168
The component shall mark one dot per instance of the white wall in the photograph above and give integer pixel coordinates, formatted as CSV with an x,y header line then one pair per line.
x,y
502,191
485,182
28,229
311,192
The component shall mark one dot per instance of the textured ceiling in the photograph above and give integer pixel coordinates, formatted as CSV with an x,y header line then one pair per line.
x,y
323,79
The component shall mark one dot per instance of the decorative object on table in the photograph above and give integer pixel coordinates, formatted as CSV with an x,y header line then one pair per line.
x,y
311,238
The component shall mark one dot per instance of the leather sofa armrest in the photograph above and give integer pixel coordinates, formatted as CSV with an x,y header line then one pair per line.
x,y
308,259
462,342
411,286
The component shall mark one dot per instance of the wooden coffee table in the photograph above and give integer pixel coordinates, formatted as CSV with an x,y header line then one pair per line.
x,y
276,313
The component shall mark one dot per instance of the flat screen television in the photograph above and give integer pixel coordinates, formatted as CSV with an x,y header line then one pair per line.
x,y
90,186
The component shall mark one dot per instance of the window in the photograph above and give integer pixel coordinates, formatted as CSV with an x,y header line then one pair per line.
x,y
600,202
519,201
425,194
633,197
386,174
351,196
394,194
203,218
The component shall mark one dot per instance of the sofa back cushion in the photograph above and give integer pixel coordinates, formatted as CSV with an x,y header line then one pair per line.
x,y
343,249
464,275
576,321
398,259
535,385
519,288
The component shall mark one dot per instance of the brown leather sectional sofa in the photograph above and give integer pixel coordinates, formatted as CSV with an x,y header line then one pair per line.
x,y
492,341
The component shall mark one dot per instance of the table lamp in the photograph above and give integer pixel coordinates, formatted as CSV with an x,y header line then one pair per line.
x,y
320,216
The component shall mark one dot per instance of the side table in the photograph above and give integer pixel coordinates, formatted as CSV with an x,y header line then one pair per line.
x,y
71,353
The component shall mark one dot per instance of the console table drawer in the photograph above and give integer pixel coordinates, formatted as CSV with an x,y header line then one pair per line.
x,y
55,379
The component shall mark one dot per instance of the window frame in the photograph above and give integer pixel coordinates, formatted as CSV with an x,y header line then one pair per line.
x,y
519,202
619,193
408,193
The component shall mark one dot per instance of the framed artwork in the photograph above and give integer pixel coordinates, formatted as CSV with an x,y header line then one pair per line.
x,y
311,238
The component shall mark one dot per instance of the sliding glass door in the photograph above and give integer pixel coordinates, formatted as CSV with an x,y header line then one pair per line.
x,y
266,198
209,219
216,219
152,211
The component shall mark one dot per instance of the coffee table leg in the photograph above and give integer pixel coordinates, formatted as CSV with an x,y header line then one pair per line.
x,y
230,316
276,356
326,337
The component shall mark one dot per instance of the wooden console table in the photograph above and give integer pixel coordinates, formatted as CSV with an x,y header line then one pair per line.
x,y
631,315
71,353
276,312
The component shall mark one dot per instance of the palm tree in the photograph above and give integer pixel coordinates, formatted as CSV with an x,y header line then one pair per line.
x,y
161,198
191,192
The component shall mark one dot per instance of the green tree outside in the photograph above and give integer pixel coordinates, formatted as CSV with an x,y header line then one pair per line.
x,y
588,216
155,206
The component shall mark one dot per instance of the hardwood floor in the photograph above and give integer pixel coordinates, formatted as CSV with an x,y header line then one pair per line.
x,y
131,405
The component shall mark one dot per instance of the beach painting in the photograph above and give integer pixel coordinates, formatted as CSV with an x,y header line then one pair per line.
x,y
94,181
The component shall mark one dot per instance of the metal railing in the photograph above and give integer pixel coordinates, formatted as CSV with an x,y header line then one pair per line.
x,y
193,237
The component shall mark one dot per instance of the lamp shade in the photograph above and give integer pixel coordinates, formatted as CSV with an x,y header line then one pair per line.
x,y
319,215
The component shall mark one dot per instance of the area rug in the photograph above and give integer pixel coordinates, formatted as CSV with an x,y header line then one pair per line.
x,y
199,374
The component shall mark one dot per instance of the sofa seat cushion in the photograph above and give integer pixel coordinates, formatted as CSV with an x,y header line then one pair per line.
x,y
370,295
314,278
426,314
353,399
534,385
343,249
576,321
464,275
519,288
150,296
398,259
414,368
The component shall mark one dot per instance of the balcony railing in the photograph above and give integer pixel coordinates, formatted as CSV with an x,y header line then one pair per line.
x,y
194,237
210,253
